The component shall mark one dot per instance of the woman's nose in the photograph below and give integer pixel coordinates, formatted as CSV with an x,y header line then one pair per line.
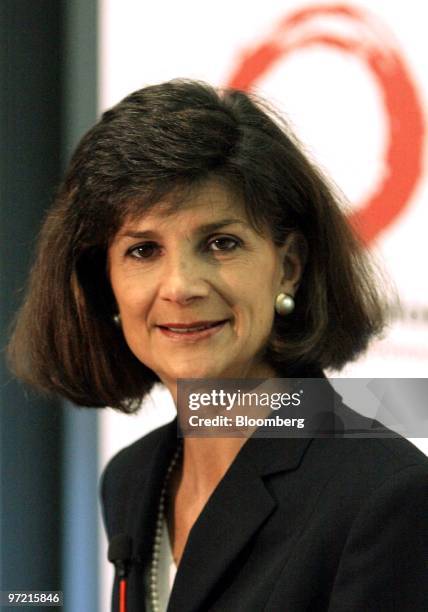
x,y
182,280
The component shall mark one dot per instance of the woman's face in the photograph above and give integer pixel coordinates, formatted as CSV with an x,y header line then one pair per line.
x,y
201,266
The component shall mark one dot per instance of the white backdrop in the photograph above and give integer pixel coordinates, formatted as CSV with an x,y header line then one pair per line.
x,y
352,80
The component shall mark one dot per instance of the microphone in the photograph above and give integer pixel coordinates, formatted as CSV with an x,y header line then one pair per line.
x,y
120,554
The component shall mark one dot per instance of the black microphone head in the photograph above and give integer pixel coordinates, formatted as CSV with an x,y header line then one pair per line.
x,y
120,548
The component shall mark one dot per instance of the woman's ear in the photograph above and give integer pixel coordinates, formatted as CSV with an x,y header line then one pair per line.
x,y
294,256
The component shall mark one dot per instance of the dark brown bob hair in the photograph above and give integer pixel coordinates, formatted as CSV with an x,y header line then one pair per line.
x,y
161,141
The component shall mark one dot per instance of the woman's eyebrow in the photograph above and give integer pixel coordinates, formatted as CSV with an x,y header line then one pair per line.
x,y
210,227
201,229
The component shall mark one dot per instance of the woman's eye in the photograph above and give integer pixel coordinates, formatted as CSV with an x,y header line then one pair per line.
x,y
225,243
144,251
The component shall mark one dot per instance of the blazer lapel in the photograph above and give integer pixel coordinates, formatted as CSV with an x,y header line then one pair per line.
x,y
236,510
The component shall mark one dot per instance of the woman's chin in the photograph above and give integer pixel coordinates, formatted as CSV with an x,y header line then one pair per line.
x,y
197,371
200,373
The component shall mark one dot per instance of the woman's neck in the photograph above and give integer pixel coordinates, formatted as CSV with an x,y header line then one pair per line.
x,y
206,461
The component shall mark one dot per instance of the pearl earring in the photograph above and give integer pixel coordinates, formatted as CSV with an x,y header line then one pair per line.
x,y
116,319
284,304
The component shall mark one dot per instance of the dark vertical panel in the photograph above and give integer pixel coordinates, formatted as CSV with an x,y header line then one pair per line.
x,y
48,452
30,155
80,451
80,83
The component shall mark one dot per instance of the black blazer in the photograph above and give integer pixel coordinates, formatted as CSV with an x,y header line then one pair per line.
x,y
296,525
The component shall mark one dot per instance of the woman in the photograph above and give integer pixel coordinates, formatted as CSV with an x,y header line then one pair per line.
x,y
192,238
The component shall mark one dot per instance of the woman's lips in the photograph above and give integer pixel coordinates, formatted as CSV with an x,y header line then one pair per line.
x,y
193,335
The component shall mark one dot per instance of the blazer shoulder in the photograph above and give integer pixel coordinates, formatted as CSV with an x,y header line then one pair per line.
x,y
125,469
357,467
402,452
389,451
132,456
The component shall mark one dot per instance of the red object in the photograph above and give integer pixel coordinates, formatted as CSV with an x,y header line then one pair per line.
x,y
373,45
122,595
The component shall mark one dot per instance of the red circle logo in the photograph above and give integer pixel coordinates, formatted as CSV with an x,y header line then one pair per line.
x,y
366,39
